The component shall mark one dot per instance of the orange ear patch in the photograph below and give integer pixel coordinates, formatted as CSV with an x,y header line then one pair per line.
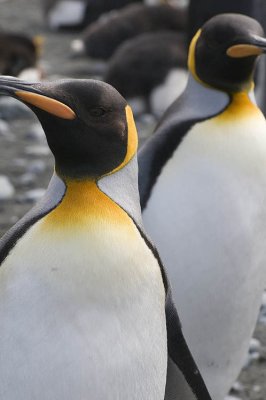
x,y
243,50
47,104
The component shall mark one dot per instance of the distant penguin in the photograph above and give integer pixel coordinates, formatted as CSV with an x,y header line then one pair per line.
x,y
203,193
143,63
200,11
103,37
17,52
77,14
86,309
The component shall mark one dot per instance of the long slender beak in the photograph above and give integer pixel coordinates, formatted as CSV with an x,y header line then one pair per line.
x,y
260,42
252,46
31,95
10,85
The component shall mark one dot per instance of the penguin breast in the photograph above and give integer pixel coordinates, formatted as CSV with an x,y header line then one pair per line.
x,y
77,310
207,217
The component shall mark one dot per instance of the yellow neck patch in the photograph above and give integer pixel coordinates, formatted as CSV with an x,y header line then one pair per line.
x,y
240,107
85,205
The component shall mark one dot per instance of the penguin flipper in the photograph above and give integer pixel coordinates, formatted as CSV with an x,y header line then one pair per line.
x,y
53,196
180,359
181,369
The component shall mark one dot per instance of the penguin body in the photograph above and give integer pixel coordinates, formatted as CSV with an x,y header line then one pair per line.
x,y
103,37
202,186
83,296
131,69
67,325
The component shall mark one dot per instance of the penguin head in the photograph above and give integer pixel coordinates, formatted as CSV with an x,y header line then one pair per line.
x,y
88,125
224,51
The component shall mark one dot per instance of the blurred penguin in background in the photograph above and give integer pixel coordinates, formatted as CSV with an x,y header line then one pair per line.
x,y
103,37
19,53
76,14
141,67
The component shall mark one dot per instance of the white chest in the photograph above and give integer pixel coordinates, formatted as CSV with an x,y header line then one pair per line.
x,y
82,313
213,188
207,216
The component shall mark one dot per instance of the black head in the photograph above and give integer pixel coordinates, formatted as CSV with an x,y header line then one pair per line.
x,y
88,125
223,53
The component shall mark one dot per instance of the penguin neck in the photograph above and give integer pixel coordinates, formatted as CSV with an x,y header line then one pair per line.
x,y
242,106
113,198
245,86
200,95
83,205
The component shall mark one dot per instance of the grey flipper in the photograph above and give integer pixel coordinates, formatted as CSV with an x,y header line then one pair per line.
x,y
176,383
179,355
197,103
183,375
52,197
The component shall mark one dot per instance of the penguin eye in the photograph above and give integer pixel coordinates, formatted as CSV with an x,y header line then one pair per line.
x,y
97,111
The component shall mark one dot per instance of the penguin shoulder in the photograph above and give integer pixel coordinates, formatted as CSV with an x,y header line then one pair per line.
x,y
52,197
197,103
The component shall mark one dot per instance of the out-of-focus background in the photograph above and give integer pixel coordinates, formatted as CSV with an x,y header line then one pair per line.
x,y
141,49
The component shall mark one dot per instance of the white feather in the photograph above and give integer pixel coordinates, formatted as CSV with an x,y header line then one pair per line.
x,y
207,216
82,316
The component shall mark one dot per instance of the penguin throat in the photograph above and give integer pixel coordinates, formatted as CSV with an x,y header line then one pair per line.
x,y
240,107
84,204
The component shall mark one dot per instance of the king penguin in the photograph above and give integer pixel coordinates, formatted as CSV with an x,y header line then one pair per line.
x,y
86,310
203,193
